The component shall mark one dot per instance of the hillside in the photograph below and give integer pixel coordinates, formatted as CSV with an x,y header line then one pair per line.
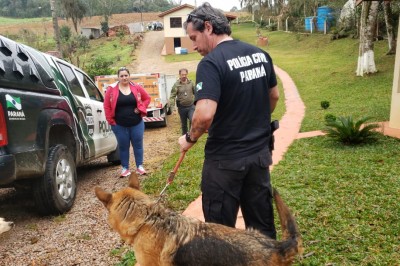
x,y
45,25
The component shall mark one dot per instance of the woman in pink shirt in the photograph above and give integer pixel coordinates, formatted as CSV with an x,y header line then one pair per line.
x,y
125,105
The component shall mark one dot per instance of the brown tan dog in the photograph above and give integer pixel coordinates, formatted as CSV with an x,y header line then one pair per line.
x,y
162,237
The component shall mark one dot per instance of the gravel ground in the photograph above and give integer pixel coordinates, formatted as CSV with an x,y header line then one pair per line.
x,y
82,236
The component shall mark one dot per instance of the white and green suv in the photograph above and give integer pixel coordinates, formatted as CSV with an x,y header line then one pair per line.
x,y
51,121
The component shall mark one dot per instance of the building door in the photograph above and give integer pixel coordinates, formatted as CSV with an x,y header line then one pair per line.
x,y
177,42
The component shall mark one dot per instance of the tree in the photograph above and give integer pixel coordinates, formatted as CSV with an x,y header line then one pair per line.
x,y
107,8
55,25
75,10
366,60
389,27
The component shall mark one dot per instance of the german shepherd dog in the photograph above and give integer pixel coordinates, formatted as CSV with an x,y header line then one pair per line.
x,y
163,237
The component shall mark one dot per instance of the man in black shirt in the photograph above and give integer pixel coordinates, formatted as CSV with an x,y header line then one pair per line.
x,y
236,92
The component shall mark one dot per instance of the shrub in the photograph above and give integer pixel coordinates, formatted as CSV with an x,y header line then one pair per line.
x,y
329,118
82,42
104,27
263,23
65,33
272,27
99,66
121,34
324,104
350,132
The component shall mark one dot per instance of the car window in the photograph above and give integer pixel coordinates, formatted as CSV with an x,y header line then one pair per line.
x,y
72,80
94,93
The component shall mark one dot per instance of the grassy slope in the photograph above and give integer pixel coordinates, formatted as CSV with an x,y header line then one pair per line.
x,y
345,198
22,21
325,70
119,51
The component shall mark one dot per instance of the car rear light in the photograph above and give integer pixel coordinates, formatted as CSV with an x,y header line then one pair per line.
x,y
3,128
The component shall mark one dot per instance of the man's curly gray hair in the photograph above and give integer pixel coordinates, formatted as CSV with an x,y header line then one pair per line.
x,y
206,12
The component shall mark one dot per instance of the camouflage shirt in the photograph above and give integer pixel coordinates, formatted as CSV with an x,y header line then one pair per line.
x,y
183,93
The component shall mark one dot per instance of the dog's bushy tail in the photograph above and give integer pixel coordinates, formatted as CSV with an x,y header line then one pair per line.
x,y
292,242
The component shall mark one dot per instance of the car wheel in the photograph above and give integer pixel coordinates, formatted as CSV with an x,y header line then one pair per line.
x,y
165,122
55,191
114,157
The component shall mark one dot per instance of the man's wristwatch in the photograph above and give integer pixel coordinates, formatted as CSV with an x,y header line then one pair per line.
x,y
188,138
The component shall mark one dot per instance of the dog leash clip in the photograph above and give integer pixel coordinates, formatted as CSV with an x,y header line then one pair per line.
x,y
172,174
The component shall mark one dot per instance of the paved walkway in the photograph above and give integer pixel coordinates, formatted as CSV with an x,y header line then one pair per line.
x,y
288,131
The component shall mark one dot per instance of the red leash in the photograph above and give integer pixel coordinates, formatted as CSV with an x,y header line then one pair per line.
x,y
173,173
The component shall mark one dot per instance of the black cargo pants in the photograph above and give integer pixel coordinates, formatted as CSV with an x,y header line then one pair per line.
x,y
244,182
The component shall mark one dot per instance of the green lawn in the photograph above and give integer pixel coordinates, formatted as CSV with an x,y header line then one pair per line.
x,y
324,70
345,198
16,21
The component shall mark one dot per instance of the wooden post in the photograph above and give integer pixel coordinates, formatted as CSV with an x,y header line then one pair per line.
x,y
311,25
287,26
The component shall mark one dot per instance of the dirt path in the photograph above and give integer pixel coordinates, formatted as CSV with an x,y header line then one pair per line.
x,y
149,58
82,236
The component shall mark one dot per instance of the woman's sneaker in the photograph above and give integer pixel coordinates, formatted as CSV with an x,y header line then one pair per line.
x,y
140,170
125,172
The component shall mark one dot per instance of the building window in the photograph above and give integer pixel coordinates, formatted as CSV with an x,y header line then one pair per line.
x,y
175,22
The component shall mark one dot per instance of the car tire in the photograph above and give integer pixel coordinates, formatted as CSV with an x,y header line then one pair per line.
x,y
164,123
114,157
55,191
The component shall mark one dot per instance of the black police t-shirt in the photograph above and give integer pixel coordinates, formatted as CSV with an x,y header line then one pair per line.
x,y
238,76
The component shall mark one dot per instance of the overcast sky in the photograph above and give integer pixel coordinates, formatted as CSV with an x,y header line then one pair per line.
x,y
225,5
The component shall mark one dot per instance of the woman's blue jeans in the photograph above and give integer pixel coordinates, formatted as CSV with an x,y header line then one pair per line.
x,y
127,136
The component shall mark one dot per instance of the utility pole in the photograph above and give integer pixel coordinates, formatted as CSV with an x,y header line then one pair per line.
x,y
55,25
141,12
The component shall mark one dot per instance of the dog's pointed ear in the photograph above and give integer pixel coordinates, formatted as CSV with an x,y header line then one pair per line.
x,y
103,196
134,181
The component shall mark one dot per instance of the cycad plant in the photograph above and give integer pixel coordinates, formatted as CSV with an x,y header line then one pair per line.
x,y
350,132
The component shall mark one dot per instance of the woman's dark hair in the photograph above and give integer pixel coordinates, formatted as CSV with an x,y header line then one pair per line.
x,y
206,12
123,69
